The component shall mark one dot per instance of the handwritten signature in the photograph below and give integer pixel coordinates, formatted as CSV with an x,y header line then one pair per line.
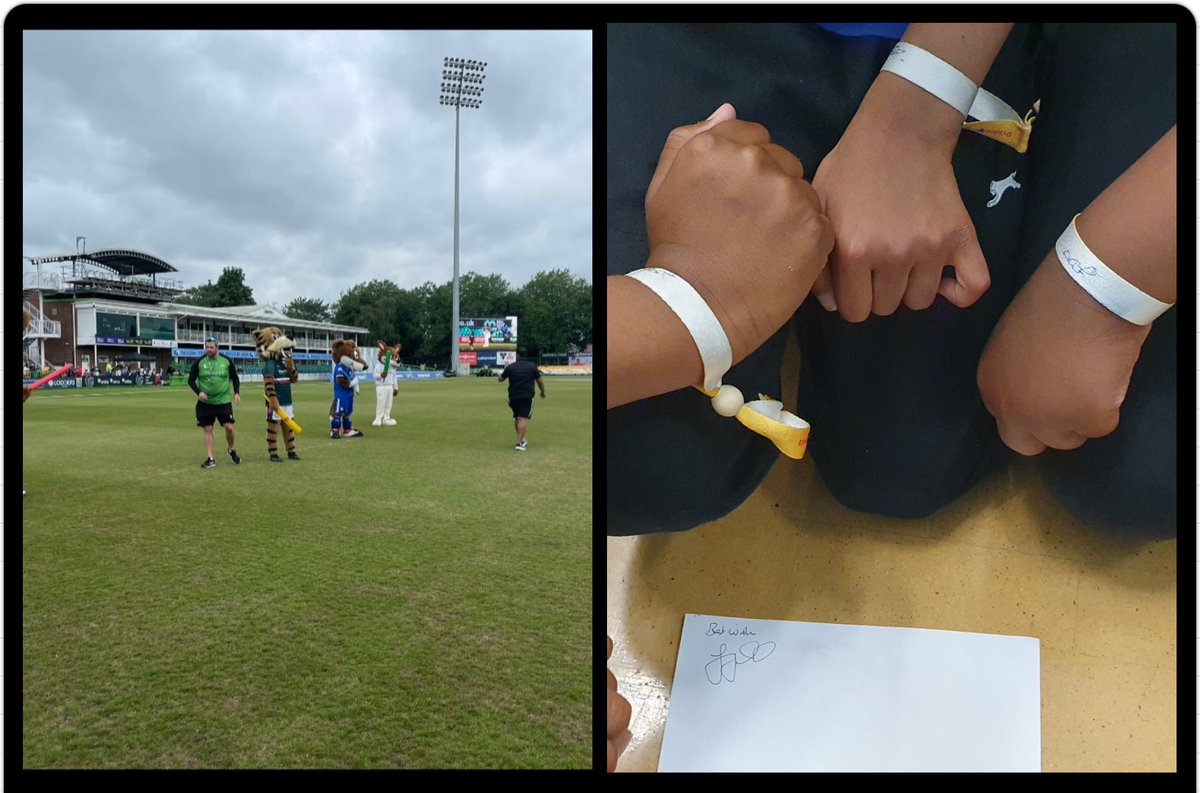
x,y
715,629
1076,265
724,664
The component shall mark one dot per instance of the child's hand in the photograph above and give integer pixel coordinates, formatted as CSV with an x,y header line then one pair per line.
x,y
1057,367
730,213
619,712
897,215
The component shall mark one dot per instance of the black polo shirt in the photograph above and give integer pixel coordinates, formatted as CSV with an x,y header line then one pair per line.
x,y
521,377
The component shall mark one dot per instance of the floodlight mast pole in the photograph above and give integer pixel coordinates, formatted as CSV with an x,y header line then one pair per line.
x,y
462,86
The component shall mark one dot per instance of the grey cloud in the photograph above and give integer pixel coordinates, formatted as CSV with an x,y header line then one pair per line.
x,y
313,160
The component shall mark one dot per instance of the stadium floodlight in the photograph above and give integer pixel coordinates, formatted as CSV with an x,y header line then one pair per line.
x,y
462,87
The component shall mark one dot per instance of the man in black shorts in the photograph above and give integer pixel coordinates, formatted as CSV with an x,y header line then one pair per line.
x,y
215,381
521,376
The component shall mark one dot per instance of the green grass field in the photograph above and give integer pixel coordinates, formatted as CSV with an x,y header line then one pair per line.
x,y
418,598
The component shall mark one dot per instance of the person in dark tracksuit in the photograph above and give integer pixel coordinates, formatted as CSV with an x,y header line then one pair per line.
x,y
521,377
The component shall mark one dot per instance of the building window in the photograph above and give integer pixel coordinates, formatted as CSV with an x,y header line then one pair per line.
x,y
157,328
116,325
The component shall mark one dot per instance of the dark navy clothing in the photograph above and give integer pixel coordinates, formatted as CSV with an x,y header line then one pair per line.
x,y
521,377
1124,483
884,30
898,426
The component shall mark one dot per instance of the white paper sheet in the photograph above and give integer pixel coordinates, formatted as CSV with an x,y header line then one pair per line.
x,y
765,695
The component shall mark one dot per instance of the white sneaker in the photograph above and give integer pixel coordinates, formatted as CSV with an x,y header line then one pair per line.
x,y
375,423
521,446
389,422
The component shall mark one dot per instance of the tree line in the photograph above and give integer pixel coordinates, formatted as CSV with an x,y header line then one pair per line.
x,y
554,309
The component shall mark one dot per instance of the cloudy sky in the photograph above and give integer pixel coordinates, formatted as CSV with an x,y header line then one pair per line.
x,y
313,160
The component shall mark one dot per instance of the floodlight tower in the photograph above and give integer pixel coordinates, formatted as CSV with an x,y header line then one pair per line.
x,y
462,86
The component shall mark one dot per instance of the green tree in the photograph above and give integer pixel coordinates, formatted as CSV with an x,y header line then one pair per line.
x,y
431,304
229,290
232,289
408,310
555,313
203,295
308,308
374,305
484,296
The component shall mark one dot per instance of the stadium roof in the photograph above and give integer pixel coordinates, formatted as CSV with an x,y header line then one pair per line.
x,y
254,312
122,261
262,312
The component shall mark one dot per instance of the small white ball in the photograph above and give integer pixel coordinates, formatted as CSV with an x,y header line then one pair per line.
x,y
728,401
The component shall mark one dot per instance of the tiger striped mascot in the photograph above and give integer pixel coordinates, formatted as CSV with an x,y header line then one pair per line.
x,y
278,375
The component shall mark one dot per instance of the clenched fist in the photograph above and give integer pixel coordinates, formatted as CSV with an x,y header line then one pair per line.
x,y
730,213
1057,366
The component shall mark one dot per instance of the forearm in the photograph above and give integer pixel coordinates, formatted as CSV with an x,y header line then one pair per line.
x,y
969,47
650,351
1131,225
903,109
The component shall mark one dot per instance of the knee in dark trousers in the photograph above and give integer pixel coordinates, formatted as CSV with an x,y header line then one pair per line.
x,y
672,468
674,464
898,426
914,482
1126,502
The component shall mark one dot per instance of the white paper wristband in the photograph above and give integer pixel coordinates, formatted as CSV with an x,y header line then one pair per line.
x,y
696,316
932,74
1110,290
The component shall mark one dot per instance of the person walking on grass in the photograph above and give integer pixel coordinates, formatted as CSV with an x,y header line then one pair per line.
x,y
215,381
521,377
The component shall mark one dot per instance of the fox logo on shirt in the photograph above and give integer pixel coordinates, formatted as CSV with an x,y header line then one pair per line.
x,y
998,188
